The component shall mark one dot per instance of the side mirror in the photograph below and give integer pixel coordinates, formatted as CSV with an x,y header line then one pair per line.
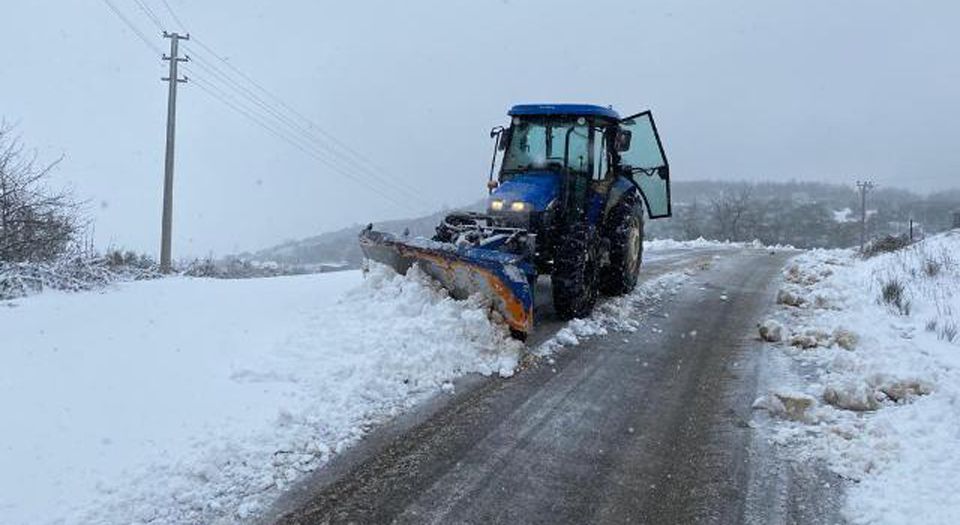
x,y
663,172
623,140
504,139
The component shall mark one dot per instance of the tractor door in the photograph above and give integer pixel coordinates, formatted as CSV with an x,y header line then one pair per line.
x,y
642,161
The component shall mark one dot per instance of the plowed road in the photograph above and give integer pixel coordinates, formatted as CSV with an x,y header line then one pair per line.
x,y
648,427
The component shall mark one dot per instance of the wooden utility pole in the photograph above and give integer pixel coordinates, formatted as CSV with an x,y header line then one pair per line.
x,y
172,81
863,187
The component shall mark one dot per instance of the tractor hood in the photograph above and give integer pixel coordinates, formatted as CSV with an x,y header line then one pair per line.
x,y
536,188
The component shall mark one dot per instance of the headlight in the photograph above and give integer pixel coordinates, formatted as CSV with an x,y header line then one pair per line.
x,y
496,205
518,206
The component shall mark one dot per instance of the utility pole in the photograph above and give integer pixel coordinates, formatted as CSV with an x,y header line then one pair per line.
x,y
863,187
172,81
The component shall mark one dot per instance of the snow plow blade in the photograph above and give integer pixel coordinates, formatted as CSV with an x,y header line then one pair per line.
x,y
463,271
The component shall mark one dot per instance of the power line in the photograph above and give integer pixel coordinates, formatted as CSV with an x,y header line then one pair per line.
x,y
284,135
310,123
358,161
302,142
174,15
286,120
295,137
150,14
132,27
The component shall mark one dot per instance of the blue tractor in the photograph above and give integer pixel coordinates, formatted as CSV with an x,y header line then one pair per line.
x,y
568,201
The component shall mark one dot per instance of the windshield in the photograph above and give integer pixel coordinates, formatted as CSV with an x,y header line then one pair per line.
x,y
539,144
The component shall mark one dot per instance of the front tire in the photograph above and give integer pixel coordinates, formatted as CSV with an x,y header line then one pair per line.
x,y
574,279
626,249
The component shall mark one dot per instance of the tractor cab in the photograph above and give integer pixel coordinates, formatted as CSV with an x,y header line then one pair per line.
x,y
558,157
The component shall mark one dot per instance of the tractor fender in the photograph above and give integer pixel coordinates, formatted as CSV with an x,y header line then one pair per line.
x,y
620,190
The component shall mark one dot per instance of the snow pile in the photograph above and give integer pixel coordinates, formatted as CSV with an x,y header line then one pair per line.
x,y
877,342
198,400
700,242
619,314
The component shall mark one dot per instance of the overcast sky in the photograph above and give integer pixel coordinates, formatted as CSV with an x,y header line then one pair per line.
x,y
813,90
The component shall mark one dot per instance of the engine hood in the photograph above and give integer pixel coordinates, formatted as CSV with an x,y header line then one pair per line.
x,y
537,188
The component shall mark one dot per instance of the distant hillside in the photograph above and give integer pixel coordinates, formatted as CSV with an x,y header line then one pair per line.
x,y
804,214
340,247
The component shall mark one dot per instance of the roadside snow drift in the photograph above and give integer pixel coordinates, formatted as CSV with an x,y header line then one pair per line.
x,y
195,400
877,345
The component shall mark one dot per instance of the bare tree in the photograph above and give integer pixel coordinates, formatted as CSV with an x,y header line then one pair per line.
x,y
36,222
730,213
691,221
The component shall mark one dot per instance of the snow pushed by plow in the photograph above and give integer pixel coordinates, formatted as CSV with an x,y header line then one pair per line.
x,y
874,345
199,401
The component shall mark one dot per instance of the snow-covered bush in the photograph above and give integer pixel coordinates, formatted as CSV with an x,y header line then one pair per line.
x,y
236,268
73,274
886,244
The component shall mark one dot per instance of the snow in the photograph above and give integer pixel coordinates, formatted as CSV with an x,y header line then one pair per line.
x,y
844,215
187,400
885,374
617,314
701,243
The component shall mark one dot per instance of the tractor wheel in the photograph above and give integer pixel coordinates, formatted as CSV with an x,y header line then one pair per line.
x,y
574,279
626,249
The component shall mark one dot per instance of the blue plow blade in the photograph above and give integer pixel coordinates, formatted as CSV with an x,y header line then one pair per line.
x,y
504,278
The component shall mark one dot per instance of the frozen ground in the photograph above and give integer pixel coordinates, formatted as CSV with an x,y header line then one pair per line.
x,y
875,388
195,400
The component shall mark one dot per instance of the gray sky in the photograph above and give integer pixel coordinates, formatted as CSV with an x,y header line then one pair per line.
x,y
813,90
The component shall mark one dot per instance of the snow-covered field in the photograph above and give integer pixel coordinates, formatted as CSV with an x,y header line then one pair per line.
x,y
196,400
875,383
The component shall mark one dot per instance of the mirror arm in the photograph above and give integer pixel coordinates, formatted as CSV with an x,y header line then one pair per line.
x,y
495,132
566,170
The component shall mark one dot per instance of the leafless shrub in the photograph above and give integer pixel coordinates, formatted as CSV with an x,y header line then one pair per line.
x,y
37,223
948,332
119,258
892,293
886,244
932,268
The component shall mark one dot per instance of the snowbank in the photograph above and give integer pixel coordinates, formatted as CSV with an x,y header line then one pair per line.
x,y
197,400
670,244
885,374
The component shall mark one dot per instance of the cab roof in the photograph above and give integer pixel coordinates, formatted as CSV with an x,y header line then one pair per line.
x,y
584,110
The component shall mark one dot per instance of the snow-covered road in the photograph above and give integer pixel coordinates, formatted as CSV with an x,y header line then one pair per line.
x,y
647,423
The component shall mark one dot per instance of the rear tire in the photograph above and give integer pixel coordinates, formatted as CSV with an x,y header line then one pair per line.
x,y
574,279
626,248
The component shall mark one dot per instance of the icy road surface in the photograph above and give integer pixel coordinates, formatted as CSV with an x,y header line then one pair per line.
x,y
641,414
